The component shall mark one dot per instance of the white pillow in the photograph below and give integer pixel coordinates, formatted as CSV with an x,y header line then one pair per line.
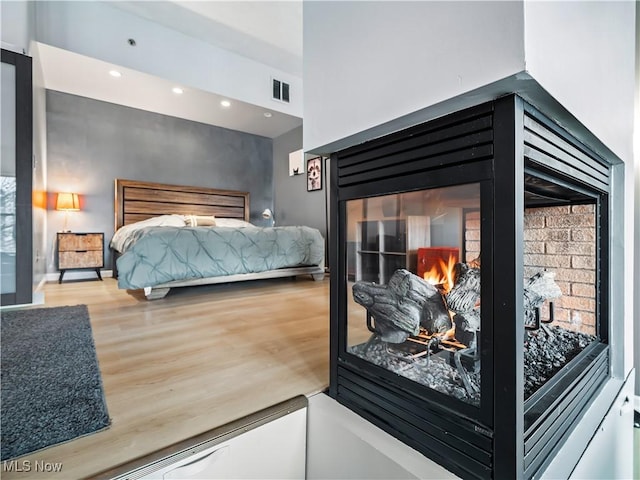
x,y
200,220
121,238
232,222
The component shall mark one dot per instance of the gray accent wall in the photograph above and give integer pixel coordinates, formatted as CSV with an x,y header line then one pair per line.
x,y
90,143
294,205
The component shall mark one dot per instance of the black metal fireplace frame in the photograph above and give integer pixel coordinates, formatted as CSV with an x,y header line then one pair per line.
x,y
491,144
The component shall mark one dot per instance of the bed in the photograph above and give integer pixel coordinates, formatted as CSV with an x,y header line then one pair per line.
x,y
158,253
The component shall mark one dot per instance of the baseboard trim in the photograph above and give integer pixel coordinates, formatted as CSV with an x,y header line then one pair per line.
x,y
41,283
38,297
77,275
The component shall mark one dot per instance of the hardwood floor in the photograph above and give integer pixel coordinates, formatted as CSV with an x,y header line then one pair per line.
x,y
191,362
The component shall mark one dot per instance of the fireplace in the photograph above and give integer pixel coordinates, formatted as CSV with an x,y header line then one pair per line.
x,y
470,286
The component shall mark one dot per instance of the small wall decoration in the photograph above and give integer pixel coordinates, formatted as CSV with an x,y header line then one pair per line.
x,y
296,164
314,174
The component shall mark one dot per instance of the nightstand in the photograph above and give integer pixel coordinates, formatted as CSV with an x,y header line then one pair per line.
x,y
80,251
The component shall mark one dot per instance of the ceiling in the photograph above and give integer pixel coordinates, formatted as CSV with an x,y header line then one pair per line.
x,y
264,31
269,32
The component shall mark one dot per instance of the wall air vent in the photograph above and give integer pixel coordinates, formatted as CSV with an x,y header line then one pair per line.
x,y
280,90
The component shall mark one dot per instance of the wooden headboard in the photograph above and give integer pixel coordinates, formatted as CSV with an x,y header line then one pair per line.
x,y
136,201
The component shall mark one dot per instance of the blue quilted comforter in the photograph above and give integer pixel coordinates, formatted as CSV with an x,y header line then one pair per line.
x,y
162,254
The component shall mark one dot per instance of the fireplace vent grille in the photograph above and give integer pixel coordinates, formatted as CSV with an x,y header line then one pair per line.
x,y
544,144
445,142
423,427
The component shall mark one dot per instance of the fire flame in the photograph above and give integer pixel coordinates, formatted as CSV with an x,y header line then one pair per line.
x,y
441,273
450,334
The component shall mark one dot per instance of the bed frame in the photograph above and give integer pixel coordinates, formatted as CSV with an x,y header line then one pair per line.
x,y
136,201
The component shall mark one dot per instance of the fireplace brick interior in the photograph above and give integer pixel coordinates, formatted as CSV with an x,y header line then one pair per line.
x,y
562,239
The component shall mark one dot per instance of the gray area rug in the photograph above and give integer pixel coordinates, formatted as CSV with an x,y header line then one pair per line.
x,y
51,388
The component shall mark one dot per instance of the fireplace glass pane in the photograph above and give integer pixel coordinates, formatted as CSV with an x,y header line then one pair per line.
x,y
414,286
560,259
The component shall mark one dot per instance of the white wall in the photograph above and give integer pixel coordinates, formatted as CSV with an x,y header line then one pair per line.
x,y
98,30
366,63
582,53
17,22
342,445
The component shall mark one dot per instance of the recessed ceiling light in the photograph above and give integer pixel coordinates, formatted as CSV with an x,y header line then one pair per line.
x,y
177,90
268,114
225,103
115,73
